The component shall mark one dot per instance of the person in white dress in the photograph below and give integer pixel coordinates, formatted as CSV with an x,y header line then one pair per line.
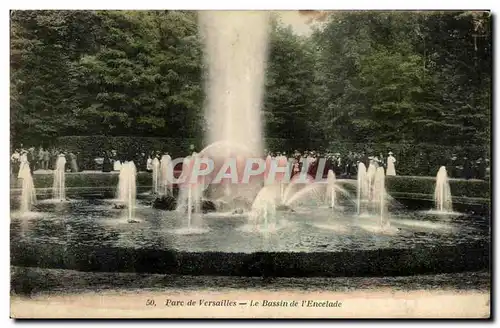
x,y
24,162
391,170
149,164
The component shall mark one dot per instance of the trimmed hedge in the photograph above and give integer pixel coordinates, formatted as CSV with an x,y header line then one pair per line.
x,y
394,184
426,185
86,180
421,259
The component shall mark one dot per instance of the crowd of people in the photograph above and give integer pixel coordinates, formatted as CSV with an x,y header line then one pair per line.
x,y
41,159
343,165
346,165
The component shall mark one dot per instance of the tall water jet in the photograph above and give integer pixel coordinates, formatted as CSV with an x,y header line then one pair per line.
x,y
379,197
442,192
59,184
28,193
156,174
362,187
236,51
330,182
165,186
235,46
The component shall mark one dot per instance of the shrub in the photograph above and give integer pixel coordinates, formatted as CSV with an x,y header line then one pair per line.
x,y
88,179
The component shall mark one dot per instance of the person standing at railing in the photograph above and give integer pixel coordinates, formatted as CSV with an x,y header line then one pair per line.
x,y
31,159
149,164
391,169
72,162
15,161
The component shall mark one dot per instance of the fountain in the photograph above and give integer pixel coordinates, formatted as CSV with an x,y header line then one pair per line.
x,y
362,187
370,179
379,197
311,190
190,198
127,188
165,186
304,241
442,192
156,174
28,193
262,217
59,185
236,59
330,181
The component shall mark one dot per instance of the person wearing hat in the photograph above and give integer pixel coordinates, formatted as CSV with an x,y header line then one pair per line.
x,y
391,170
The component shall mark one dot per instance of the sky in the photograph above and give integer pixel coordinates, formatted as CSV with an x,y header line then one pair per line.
x,y
297,20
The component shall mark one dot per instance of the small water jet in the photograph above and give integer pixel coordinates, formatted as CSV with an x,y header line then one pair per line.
x,y
28,192
190,196
370,179
156,175
165,186
127,188
362,187
59,184
442,192
331,191
379,197
262,216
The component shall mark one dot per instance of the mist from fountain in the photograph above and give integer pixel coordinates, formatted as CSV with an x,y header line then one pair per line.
x,y
28,192
442,192
312,192
156,175
59,184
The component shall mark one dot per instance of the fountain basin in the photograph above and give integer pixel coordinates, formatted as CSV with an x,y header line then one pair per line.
x,y
90,236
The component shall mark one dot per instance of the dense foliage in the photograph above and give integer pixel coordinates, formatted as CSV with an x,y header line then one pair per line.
x,y
363,77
